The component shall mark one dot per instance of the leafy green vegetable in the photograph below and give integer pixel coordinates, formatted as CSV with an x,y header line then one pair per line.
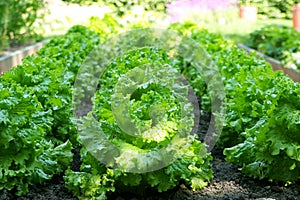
x,y
26,156
105,27
36,120
261,133
272,144
50,77
262,124
148,139
37,129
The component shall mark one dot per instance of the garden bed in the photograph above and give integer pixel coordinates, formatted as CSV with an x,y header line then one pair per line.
x,y
13,56
45,98
228,183
276,65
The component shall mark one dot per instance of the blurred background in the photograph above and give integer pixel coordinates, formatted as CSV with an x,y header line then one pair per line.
x,y
27,21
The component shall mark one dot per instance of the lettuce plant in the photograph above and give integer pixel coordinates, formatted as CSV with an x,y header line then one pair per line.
x,y
36,125
145,139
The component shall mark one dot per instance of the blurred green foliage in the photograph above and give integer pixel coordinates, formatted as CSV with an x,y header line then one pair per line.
x,y
17,19
272,8
279,42
122,6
